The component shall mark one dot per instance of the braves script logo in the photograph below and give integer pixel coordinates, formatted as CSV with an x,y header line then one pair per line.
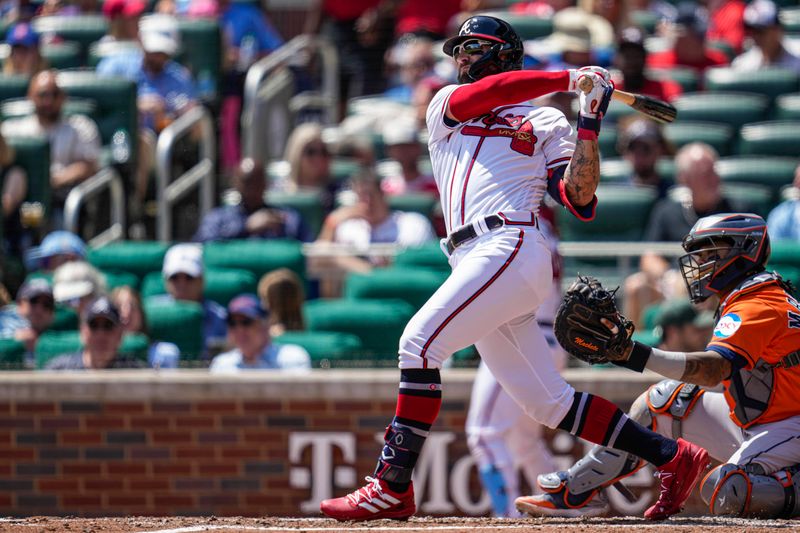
x,y
588,345
515,127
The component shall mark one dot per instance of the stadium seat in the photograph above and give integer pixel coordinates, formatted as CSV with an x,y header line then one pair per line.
x,y
12,353
618,170
734,109
80,29
788,272
21,107
51,344
786,252
326,348
774,172
646,20
790,18
118,278
427,256
411,285
719,136
33,154
529,27
64,319
608,224
177,322
687,77
100,50
344,168
607,141
255,256
754,198
770,82
778,138
13,87
378,323
414,202
201,53
787,107
63,55
616,111
137,257
221,284
307,203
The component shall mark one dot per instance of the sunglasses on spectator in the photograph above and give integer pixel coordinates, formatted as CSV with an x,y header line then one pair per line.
x,y
103,325
45,302
471,47
55,93
241,321
312,151
183,276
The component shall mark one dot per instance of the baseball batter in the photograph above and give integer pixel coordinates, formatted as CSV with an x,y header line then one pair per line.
x,y
493,160
753,425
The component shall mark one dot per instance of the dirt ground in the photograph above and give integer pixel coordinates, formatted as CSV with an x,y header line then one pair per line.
x,y
422,524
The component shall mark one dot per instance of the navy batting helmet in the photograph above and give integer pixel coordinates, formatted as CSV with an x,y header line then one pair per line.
x,y
502,40
722,251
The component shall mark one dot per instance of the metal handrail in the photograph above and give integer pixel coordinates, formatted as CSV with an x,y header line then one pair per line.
x,y
168,190
107,178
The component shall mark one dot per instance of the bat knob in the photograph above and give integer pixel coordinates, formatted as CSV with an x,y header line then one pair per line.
x,y
585,84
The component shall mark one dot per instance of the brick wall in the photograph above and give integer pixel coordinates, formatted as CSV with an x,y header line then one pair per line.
x,y
141,442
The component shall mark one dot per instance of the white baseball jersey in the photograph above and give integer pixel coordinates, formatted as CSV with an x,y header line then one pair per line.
x,y
497,162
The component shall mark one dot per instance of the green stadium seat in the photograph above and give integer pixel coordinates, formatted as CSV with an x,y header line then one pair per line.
x,y
607,141
529,27
734,109
137,257
616,111
378,323
755,198
618,170
785,252
81,29
118,278
719,136
779,138
790,18
427,256
51,344
770,82
63,55
344,168
774,172
787,107
608,225
411,285
22,107
33,154
255,256
307,203
177,322
687,77
13,87
201,53
12,353
646,20
414,202
65,319
326,348
724,47
221,284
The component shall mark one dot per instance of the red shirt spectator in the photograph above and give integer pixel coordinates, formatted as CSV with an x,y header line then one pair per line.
x,y
689,48
424,15
726,22
347,10
630,60
667,90
669,59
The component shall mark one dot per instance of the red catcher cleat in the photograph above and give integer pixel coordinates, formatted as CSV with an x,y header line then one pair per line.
x,y
678,478
373,501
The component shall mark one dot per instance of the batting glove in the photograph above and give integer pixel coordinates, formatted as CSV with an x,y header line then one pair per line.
x,y
575,75
593,106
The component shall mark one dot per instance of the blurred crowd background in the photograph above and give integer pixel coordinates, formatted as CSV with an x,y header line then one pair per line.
x,y
241,184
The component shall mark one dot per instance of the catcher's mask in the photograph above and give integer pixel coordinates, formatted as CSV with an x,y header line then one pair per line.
x,y
723,250
495,39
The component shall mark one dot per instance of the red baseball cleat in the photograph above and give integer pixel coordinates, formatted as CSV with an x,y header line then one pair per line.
x,y
678,478
373,501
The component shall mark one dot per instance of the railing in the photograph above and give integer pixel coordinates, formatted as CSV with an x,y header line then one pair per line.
x,y
169,190
106,179
270,105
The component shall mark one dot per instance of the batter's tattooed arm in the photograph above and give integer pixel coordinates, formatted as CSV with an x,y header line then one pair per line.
x,y
583,172
706,368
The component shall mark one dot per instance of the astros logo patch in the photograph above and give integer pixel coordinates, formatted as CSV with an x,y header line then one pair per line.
x,y
727,325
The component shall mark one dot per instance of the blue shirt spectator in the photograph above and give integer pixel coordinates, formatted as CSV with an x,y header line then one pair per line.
x,y
247,29
784,220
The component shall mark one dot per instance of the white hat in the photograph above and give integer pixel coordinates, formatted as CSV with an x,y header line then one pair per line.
x,y
183,259
76,279
401,131
159,33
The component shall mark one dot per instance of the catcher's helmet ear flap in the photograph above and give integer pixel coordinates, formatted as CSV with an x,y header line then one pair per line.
x,y
506,54
722,251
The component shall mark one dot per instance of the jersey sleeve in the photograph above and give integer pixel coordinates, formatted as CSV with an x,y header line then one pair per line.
x,y
439,126
744,332
559,142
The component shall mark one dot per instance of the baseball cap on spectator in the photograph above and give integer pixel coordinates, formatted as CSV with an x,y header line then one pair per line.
x,y
101,307
183,259
75,280
34,288
123,8
631,37
639,129
56,243
22,34
401,131
692,17
247,305
761,14
681,312
159,33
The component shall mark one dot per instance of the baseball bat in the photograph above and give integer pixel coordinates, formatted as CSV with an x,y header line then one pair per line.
x,y
654,108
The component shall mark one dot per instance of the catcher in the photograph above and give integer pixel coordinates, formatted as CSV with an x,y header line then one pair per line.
x,y
752,427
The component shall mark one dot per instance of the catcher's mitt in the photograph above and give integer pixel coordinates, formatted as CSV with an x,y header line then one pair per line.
x,y
578,327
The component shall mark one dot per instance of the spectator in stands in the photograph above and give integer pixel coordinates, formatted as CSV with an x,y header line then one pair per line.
x,y
123,20
571,40
689,48
76,284
784,220
681,327
642,144
409,62
725,22
68,8
401,139
183,273
24,59
14,188
282,295
768,50
57,248
101,337
426,18
309,164
422,96
630,59
248,331
370,220
670,220
133,320
74,140
32,315
252,217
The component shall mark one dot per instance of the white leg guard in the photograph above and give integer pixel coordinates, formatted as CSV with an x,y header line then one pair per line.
x,y
745,491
